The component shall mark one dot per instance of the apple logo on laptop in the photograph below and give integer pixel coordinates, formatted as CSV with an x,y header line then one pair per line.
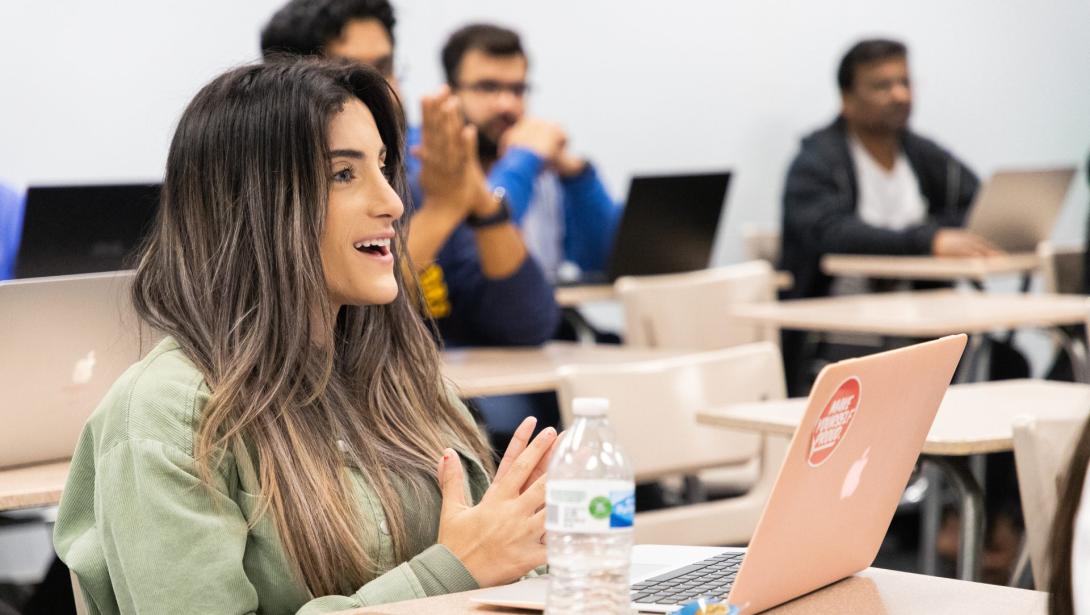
x,y
851,479
84,369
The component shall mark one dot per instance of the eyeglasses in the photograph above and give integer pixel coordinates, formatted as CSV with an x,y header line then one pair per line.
x,y
489,87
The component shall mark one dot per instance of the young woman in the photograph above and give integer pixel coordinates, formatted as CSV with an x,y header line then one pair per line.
x,y
1069,549
290,446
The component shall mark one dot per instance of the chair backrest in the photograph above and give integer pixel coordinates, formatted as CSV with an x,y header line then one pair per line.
x,y
687,310
761,244
1042,451
1062,267
653,405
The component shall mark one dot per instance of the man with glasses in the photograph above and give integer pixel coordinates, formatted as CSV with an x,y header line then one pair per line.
x,y
478,281
555,197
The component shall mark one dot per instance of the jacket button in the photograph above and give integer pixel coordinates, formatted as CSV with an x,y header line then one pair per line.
x,y
382,527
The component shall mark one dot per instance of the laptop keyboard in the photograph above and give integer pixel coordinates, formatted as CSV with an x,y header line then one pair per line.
x,y
711,578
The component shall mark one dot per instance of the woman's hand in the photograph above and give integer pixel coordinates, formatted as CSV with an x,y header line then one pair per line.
x,y
499,539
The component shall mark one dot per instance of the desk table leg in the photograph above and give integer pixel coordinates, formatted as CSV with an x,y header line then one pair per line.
x,y
930,518
971,504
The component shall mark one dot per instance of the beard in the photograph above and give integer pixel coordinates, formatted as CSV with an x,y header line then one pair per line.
x,y
488,146
488,150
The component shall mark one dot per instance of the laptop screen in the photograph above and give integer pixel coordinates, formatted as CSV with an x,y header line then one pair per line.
x,y
83,229
669,224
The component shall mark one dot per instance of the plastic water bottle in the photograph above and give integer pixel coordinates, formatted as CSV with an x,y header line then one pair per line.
x,y
590,503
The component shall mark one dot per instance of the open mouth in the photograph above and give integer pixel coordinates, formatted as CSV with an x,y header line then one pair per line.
x,y
377,247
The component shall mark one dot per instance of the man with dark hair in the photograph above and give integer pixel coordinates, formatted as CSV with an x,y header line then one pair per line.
x,y
866,184
556,198
478,280
362,30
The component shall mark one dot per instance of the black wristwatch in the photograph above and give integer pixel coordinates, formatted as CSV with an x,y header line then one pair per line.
x,y
501,215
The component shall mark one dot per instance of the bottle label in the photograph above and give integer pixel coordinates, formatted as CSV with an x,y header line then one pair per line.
x,y
590,506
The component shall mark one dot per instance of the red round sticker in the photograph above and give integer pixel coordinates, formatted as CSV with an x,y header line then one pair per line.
x,y
834,421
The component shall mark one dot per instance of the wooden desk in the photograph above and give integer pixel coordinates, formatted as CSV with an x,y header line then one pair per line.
x,y
972,419
574,296
872,592
31,486
507,371
918,313
929,267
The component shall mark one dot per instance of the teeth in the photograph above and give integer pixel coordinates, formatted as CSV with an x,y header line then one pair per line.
x,y
372,243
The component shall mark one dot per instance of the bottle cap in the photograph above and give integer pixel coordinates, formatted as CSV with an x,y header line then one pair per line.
x,y
590,406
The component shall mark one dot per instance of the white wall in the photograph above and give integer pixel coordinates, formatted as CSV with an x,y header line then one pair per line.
x,y
91,90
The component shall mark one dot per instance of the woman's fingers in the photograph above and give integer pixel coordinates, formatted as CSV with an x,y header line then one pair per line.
x,y
543,464
518,471
533,497
519,441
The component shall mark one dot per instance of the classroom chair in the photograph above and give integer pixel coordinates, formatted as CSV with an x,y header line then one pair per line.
x,y
653,406
1061,267
686,310
1042,450
761,244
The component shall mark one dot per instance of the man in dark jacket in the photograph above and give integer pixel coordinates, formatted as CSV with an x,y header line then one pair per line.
x,y
866,184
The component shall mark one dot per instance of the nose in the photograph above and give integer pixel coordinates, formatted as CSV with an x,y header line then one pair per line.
x,y
386,203
506,101
902,93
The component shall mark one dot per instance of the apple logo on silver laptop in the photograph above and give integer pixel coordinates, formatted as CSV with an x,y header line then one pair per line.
x,y
851,479
84,369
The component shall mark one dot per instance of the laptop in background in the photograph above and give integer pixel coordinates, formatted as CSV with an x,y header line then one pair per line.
x,y
668,225
1016,210
834,497
66,340
83,229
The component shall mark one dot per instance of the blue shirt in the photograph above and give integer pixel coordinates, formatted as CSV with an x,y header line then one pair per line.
x,y
12,206
471,309
587,214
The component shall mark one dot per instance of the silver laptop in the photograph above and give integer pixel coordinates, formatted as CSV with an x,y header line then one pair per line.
x,y
835,494
1016,210
65,340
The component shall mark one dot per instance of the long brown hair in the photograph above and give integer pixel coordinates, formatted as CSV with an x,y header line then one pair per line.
x,y
232,271
1060,546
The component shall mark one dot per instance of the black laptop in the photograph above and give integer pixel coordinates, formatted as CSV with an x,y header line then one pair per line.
x,y
668,225
83,229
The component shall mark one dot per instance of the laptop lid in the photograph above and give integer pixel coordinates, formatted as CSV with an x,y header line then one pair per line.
x,y
668,224
1016,210
66,340
83,229
845,469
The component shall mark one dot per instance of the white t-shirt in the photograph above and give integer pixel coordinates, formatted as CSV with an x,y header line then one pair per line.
x,y
543,225
1080,554
887,199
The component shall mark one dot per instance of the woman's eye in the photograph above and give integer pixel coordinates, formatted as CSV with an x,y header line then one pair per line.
x,y
343,176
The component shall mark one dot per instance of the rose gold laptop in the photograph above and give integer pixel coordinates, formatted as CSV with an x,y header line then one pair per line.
x,y
833,500
64,341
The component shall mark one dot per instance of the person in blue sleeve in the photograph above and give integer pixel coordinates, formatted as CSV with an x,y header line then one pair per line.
x,y
556,197
12,204
480,285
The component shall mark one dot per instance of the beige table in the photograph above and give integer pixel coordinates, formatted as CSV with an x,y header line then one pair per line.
x,y
972,419
574,296
918,313
32,486
872,592
507,371
929,267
